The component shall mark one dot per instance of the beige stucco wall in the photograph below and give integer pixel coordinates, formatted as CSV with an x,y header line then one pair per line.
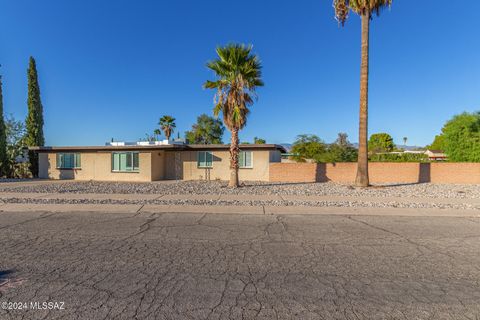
x,y
159,165
188,170
95,166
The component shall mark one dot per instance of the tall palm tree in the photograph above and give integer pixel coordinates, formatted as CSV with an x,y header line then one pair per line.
x,y
405,141
365,9
167,124
238,73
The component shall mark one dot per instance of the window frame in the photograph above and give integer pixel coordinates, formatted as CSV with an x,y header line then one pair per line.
x,y
77,161
132,161
206,166
240,165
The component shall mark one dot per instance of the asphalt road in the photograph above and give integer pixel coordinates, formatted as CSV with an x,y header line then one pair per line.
x,y
194,266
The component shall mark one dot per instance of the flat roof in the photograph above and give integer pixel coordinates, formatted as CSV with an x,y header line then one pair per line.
x,y
169,147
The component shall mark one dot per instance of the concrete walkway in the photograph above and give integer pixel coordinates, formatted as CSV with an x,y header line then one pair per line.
x,y
149,209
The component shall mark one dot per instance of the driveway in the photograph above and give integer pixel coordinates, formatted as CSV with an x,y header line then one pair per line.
x,y
231,266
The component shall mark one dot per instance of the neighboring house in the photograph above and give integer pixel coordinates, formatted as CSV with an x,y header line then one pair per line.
x,y
288,158
433,155
151,162
436,155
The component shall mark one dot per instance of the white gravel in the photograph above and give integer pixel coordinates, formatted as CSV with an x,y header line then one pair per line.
x,y
357,204
423,190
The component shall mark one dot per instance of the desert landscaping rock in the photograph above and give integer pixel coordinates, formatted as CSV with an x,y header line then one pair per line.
x,y
189,202
423,190
250,194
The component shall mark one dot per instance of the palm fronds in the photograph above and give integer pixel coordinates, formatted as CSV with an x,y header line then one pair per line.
x,y
238,73
361,7
167,124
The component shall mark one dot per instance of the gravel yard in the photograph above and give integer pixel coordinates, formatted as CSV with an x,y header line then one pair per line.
x,y
203,193
195,202
423,190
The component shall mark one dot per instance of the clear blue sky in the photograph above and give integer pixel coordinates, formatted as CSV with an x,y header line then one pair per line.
x,y
111,68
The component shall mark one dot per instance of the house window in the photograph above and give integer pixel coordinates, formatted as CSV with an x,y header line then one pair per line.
x,y
68,161
245,159
125,162
204,159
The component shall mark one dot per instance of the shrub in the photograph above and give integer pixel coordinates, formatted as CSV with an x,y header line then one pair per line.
x,y
398,157
380,142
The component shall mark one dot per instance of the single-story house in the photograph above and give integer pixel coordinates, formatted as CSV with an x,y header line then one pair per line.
x,y
436,155
151,162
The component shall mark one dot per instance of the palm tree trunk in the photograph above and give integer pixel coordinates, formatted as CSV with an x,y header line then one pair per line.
x,y
362,166
234,159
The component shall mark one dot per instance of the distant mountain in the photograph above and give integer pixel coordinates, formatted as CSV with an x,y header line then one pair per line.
x,y
287,146
404,147
409,148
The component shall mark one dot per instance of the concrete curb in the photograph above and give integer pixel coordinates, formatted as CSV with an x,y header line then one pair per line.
x,y
29,207
366,211
259,210
239,210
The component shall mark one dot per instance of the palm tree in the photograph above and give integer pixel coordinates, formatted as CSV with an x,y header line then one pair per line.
x,y
405,141
157,133
238,73
167,124
365,9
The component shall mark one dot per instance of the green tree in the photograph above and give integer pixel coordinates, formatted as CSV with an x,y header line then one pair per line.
x,y
238,73
365,9
257,140
167,124
308,147
16,142
34,121
207,130
438,143
3,138
337,153
462,137
341,151
342,139
381,142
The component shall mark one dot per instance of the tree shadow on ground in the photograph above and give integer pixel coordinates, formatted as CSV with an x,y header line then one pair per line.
x,y
273,184
8,281
5,274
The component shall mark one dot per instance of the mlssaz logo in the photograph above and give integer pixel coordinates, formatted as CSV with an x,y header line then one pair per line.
x,y
47,305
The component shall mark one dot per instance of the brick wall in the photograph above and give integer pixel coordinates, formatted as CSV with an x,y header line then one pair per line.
x,y
455,173
293,172
380,172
